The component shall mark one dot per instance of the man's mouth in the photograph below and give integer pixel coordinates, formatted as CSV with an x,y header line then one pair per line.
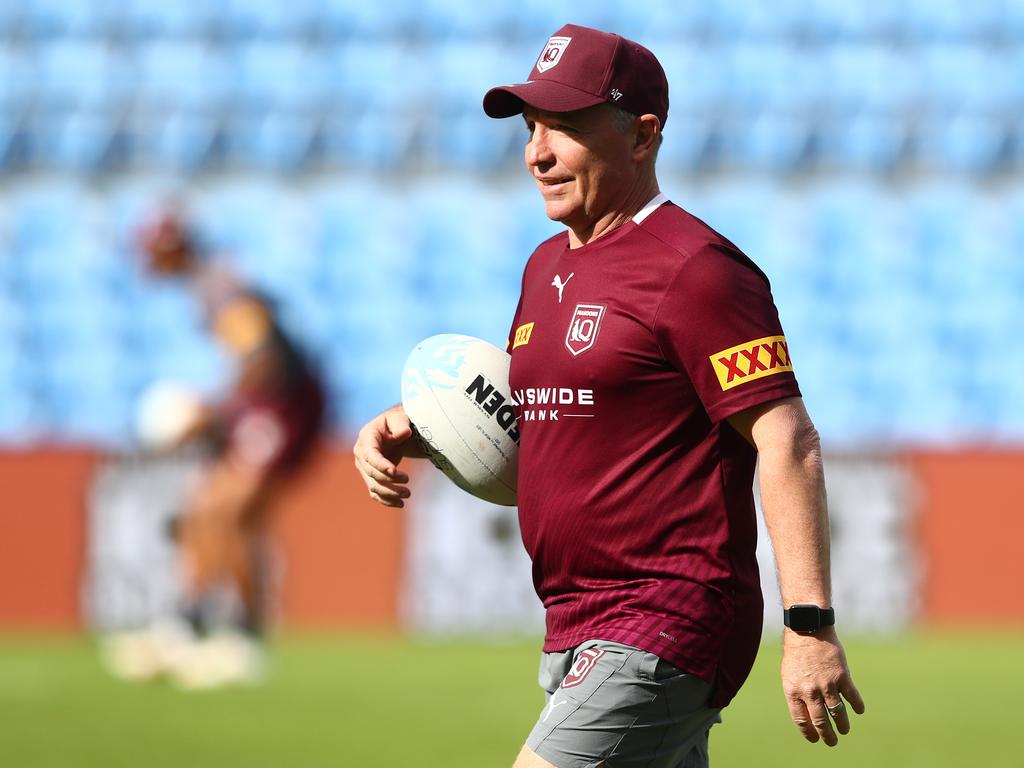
x,y
550,182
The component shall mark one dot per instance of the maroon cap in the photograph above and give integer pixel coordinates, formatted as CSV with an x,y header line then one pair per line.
x,y
580,67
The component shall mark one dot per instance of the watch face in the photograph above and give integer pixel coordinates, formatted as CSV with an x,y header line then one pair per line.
x,y
804,618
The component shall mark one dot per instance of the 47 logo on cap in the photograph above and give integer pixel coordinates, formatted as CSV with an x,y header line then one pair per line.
x,y
552,53
752,360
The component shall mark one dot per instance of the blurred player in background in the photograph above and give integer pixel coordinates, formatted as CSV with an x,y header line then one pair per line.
x,y
260,433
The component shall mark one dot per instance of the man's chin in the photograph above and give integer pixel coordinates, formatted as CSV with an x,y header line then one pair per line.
x,y
557,211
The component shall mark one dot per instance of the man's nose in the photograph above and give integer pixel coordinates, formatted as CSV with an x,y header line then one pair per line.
x,y
538,150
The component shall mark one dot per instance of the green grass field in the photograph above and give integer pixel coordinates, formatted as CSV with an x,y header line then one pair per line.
x,y
933,700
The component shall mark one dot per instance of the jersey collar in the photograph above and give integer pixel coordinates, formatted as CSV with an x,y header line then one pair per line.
x,y
648,209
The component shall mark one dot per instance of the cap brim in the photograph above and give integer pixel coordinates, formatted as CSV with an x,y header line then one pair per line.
x,y
545,95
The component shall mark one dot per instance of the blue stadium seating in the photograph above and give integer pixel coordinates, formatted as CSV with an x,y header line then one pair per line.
x,y
350,21
146,20
54,18
336,153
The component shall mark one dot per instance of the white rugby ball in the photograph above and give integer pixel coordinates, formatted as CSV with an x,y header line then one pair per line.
x,y
164,413
455,392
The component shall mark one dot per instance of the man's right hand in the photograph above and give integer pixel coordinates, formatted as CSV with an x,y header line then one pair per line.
x,y
381,445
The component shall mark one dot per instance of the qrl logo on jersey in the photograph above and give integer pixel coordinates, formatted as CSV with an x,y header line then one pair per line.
x,y
583,328
752,360
585,662
552,53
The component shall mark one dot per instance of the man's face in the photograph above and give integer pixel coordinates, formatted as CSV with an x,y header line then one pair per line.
x,y
581,162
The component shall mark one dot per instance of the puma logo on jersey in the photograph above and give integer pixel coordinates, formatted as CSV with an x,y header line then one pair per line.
x,y
557,283
752,360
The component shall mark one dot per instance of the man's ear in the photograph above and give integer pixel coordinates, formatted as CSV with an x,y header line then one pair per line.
x,y
648,129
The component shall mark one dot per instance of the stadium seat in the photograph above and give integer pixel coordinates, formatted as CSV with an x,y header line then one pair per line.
x,y
146,20
961,143
77,141
19,74
82,73
274,140
443,20
777,142
951,73
830,22
361,21
282,75
176,140
186,74
184,90
537,19
11,15
863,141
20,421
270,18
86,392
73,18
954,20
871,75
758,20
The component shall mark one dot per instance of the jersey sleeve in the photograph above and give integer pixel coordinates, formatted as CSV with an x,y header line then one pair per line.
x,y
718,323
519,334
514,328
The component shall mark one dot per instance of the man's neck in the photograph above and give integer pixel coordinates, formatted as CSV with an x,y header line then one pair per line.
x,y
632,204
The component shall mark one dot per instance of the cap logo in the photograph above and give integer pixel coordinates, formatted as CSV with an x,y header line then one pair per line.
x,y
552,53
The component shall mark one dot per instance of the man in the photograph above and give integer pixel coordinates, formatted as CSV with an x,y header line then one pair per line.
x,y
262,431
639,513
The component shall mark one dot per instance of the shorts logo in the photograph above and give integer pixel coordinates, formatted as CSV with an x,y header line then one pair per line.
x,y
523,334
583,328
752,360
585,662
552,53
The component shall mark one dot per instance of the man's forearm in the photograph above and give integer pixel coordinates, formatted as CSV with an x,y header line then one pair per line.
x,y
795,511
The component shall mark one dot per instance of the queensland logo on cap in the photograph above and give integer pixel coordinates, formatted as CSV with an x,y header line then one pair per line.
x,y
552,53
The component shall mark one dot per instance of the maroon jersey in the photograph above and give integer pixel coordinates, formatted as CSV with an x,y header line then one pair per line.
x,y
635,496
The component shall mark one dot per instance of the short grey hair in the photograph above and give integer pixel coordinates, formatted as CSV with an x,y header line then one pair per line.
x,y
623,121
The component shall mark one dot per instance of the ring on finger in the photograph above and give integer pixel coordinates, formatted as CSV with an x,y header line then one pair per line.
x,y
836,709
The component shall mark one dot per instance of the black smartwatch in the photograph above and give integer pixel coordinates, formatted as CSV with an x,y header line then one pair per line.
x,y
808,618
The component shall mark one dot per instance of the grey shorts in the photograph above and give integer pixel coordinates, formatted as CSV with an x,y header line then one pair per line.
x,y
617,706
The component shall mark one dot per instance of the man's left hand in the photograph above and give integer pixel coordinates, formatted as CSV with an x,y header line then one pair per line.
x,y
816,679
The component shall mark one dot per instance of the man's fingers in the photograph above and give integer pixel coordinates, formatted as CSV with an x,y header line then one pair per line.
x,y
398,425
386,502
798,711
838,712
368,469
378,461
389,490
852,695
371,458
821,722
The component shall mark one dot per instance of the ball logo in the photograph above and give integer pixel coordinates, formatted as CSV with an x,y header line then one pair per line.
x,y
584,663
552,53
583,328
